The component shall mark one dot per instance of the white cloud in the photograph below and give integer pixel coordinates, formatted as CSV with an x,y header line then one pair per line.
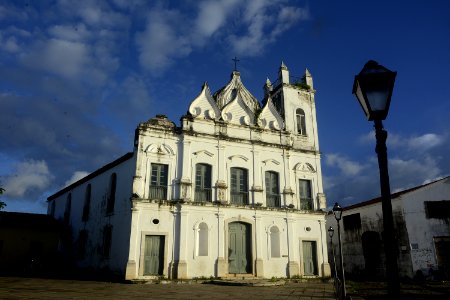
x,y
212,15
345,165
28,175
264,21
77,33
417,143
426,141
160,43
75,177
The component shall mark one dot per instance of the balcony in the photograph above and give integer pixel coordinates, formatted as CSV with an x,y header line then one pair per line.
x,y
203,195
158,192
239,198
273,200
306,204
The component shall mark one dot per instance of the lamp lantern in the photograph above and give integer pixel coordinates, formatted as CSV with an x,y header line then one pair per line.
x,y
373,87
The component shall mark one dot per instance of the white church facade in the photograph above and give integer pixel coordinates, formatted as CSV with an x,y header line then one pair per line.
x,y
235,190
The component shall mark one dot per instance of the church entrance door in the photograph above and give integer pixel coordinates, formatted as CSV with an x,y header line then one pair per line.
x,y
154,255
309,258
239,248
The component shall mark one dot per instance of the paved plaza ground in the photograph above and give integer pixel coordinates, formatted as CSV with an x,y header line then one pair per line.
x,y
35,288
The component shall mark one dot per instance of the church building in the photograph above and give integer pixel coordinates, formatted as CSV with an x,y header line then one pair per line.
x,y
234,190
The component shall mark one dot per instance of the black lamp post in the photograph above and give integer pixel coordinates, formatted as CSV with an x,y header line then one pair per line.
x,y
331,233
373,87
337,211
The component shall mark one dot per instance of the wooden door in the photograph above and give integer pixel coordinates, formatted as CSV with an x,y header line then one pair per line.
x,y
154,255
239,248
309,258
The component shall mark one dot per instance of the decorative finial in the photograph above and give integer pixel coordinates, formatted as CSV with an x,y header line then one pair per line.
x,y
235,62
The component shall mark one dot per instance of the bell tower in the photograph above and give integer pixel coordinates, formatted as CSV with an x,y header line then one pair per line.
x,y
294,100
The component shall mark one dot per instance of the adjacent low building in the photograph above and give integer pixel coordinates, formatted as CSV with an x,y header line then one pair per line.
x,y
235,190
422,232
28,243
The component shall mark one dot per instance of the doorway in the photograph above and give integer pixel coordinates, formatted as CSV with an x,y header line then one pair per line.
x,y
154,255
239,248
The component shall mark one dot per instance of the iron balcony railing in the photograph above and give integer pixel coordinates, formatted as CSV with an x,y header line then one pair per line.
x,y
306,204
203,195
273,200
158,192
239,198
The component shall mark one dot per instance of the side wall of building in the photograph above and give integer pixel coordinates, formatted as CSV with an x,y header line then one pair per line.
x,y
97,228
425,232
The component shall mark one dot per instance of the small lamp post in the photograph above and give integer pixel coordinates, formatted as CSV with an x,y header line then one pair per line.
x,y
331,233
373,88
337,211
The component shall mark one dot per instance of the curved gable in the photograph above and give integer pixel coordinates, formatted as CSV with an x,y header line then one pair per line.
x,y
204,105
269,118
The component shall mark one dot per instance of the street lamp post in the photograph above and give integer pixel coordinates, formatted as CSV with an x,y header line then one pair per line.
x,y
337,211
373,88
331,233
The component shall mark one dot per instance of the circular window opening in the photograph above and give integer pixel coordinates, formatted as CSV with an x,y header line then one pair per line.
x,y
308,228
155,221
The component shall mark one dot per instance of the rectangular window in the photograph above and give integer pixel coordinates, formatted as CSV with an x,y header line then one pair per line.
x,y
82,242
203,190
306,201
239,186
158,181
111,194
68,208
87,203
352,222
273,198
107,240
437,209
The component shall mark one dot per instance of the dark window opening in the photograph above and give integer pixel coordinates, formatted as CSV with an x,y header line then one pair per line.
x,y
352,222
437,209
301,122
239,186
158,182
306,201
107,239
111,194
68,208
82,242
273,198
87,203
203,191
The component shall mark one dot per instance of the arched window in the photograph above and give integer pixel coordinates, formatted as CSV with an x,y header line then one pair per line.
x,y
239,186
203,239
87,203
273,198
301,122
274,242
68,208
203,183
111,193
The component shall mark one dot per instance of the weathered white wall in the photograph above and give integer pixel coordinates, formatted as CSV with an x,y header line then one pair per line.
x,y
421,230
98,218
411,227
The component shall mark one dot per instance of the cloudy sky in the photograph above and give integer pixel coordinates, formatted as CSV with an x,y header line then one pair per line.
x,y
76,77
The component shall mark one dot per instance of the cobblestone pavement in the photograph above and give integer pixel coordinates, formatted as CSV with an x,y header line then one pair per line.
x,y
35,288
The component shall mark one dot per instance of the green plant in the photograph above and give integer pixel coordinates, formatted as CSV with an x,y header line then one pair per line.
x,y
2,204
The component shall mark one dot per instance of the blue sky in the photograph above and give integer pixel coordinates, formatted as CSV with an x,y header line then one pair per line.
x,y
78,76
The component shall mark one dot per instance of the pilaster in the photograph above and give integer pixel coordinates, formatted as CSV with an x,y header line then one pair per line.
x,y
221,265
131,271
293,265
182,272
